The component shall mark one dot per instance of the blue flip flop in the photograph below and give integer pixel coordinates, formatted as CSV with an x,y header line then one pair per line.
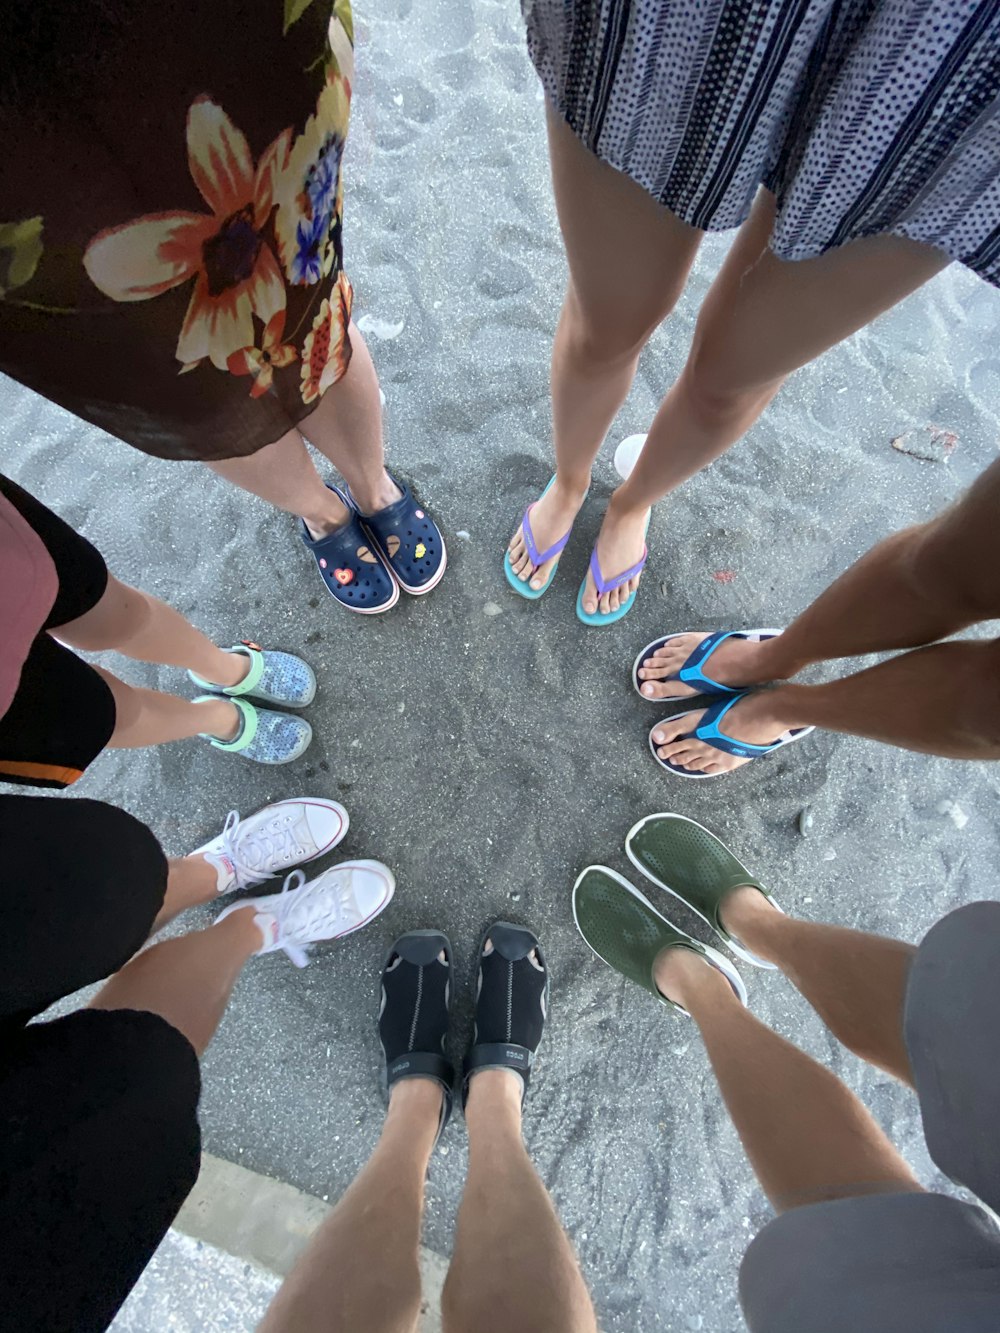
x,y
351,566
409,541
708,730
523,586
693,671
595,619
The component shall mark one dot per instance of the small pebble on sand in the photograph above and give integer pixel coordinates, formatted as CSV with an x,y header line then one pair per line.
x,y
932,444
491,609
829,854
954,812
806,821
465,536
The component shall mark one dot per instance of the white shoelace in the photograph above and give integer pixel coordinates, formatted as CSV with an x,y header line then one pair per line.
x,y
275,842
310,912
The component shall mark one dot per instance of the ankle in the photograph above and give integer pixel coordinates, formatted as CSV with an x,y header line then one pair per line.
x,y
222,719
230,669
370,497
330,515
684,976
623,508
750,918
571,487
494,1099
416,1099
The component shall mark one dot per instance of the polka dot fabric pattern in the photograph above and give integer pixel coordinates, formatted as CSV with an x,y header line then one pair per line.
x,y
863,116
280,738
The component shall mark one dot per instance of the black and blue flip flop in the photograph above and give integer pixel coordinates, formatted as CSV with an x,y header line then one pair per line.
x,y
709,730
414,1014
693,671
352,567
409,541
512,993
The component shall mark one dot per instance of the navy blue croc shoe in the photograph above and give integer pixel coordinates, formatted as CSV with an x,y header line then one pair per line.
x,y
409,541
352,567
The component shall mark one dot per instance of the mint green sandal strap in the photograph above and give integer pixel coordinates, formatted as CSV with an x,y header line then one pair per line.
x,y
249,682
247,732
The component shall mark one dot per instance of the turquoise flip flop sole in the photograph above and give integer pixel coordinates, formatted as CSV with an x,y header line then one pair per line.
x,y
522,587
597,621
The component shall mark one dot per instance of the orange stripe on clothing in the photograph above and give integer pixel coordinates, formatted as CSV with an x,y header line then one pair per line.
x,y
46,772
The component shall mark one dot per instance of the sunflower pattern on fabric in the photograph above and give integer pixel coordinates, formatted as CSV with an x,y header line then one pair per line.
x,y
287,206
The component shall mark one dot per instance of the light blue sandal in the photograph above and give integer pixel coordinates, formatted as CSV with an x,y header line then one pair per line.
x,y
265,737
523,586
277,678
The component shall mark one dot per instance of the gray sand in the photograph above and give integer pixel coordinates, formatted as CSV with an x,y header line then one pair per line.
x,y
488,758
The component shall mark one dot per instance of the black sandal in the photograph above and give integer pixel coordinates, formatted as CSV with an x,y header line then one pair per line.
x,y
413,1017
511,1005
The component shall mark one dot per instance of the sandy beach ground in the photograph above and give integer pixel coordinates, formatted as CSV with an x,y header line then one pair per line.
x,y
488,748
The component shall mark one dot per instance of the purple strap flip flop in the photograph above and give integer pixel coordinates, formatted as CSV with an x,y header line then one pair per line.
x,y
537,557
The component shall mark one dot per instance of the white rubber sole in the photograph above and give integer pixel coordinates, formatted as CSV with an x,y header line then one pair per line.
x,y
427,587
786,738
717,959
728,941
754,635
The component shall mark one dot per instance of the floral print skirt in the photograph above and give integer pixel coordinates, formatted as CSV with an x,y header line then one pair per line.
x,y
171,212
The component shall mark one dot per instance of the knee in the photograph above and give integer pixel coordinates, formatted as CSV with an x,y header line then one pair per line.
x,y
603,335
717,393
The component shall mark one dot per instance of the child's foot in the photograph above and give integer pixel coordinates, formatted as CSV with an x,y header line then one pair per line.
x,y
277,678
269,843
408,539
551,518
620,545
262,735
338,902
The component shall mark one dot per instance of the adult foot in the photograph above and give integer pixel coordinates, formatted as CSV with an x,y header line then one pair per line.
x,y
511,1004
751,719
272,841
333,514
413,1021
735,661
336,903
275,677
620,545
551,517
370,497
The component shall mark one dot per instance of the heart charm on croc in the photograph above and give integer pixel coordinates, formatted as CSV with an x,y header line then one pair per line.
x,y
353,569
408,540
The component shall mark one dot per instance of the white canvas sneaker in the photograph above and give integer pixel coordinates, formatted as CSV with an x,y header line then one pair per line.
x,y
336,903
269,843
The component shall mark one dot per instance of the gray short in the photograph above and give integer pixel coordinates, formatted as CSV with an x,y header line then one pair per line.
x,y
910,1263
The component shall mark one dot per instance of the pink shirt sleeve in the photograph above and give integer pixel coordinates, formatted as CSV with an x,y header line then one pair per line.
x,y
28,588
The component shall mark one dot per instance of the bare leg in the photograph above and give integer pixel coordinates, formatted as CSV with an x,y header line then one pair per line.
x,y
762,318
915,587
940,700
187,981
808,1138
609,312
191,881
347,428
856,982
362,1268
283,474
147,717
513,1266
142,627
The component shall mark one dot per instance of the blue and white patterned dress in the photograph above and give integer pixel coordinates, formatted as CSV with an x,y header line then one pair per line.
x,y
863,116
